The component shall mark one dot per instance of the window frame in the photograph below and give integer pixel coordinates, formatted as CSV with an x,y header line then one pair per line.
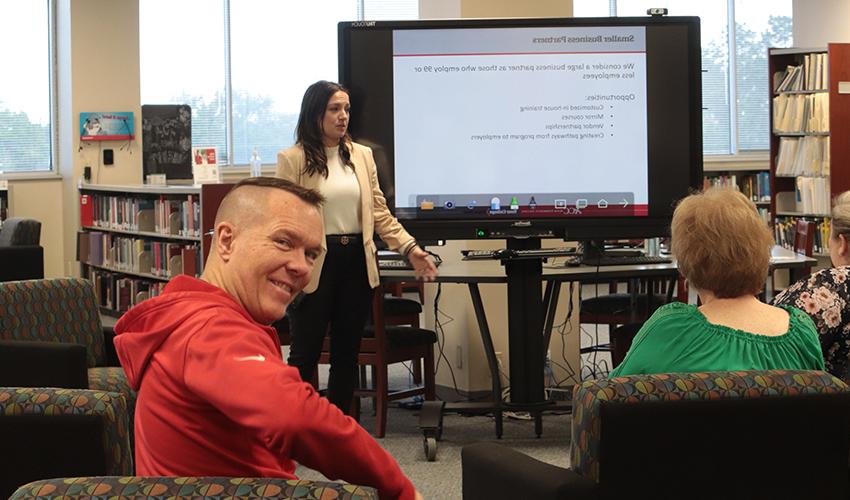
x,y
52,172
230,167
737,158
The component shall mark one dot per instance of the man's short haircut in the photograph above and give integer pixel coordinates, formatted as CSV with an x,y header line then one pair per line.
x,y
721,243
241,209
310,196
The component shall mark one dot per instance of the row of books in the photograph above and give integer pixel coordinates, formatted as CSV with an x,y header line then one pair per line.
x,y
807,155
165,215
785,228
799,113
182,217
755,186
137,255
118,293
764,213
812,195
813,74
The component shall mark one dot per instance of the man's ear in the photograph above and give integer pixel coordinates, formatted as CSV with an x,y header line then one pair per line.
x,y
225,234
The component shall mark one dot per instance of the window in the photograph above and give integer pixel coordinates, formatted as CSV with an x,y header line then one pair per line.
x,y
735,90
181,62
25,96
245,94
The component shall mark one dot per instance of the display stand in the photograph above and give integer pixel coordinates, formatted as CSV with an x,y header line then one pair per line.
x,y
526,334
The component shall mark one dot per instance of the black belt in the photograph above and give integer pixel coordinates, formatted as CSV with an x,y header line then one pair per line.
x,y
342,239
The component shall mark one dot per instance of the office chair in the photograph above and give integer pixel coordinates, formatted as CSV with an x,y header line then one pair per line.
x,y
21,255
624,313
393,337
804,239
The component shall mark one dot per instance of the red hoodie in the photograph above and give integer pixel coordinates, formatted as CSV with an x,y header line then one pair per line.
x,y
216,399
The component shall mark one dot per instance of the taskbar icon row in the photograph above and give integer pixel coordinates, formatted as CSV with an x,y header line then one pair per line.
x,y
620,200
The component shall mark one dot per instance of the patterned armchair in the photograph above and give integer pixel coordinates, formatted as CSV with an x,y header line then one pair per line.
x,y
49,432
211,488
17,231
749,434
21,256
62,310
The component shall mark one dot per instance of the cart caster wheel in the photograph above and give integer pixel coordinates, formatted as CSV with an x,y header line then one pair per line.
x,y
430,448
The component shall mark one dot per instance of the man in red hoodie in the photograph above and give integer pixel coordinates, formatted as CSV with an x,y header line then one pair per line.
x,y
214,395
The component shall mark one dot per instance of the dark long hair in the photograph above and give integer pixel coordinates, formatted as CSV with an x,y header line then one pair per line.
x,y
308,132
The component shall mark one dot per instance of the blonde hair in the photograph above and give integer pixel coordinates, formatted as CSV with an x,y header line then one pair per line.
x,y
841,214
720,242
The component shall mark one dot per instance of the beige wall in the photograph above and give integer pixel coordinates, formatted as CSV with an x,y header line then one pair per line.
x,y
514,8
447,9
818,22
97,70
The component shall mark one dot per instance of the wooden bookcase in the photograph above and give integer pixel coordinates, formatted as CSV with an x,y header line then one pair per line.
x,y
804,182
134,238
753,181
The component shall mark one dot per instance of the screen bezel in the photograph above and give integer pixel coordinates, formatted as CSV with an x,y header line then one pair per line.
x,y
654,224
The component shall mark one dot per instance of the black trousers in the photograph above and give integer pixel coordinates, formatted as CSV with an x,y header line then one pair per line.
x,y
339,308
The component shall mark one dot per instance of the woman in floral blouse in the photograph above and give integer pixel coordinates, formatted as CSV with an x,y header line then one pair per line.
x,y
825,295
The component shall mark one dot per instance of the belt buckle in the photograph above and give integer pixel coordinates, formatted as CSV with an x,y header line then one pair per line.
x,y
344,239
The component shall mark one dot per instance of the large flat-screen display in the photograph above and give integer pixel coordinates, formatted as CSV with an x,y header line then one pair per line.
x,y
570,128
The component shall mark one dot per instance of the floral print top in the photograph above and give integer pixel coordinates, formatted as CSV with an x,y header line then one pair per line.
x,y
824,297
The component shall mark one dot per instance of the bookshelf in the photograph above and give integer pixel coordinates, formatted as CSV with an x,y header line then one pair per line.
x,y
134,238
810,137
753,181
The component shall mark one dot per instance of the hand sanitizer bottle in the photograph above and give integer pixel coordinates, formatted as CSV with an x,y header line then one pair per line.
x,y
256,164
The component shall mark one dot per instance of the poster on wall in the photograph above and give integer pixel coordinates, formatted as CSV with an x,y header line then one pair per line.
x,y
205,165
167,142
111,126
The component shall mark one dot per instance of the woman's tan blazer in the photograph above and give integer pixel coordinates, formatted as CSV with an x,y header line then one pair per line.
x,y
375,216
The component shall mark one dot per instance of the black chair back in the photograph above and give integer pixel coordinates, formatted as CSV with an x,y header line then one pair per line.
x,y
43,364
768,447
36,448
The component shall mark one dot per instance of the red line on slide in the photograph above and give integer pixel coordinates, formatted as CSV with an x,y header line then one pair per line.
x,y
518,53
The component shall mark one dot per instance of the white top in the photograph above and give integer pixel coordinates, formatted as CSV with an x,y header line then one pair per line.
x,y
342,195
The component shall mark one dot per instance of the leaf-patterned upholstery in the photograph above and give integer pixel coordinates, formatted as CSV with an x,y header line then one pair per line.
x,y
591,396
52,310
62,310
212,488
52,408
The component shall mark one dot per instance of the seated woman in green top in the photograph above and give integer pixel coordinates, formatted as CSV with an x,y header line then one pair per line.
x,y
723,249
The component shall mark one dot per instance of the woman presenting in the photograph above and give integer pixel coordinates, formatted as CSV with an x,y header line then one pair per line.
x,y
339,295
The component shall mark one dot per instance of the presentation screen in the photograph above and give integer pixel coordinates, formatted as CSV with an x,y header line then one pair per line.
x,y
571,128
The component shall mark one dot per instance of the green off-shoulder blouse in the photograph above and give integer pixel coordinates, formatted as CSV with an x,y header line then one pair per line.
x,y
678,338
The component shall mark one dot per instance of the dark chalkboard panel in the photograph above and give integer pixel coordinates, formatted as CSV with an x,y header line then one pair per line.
x,y
167,141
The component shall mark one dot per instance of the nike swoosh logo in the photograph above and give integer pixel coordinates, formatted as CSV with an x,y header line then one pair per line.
x,y
258,357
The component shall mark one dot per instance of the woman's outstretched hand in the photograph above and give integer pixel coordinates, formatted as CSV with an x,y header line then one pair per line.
x,y
423,266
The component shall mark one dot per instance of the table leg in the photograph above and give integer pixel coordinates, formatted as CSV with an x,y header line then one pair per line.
x,y
490,353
